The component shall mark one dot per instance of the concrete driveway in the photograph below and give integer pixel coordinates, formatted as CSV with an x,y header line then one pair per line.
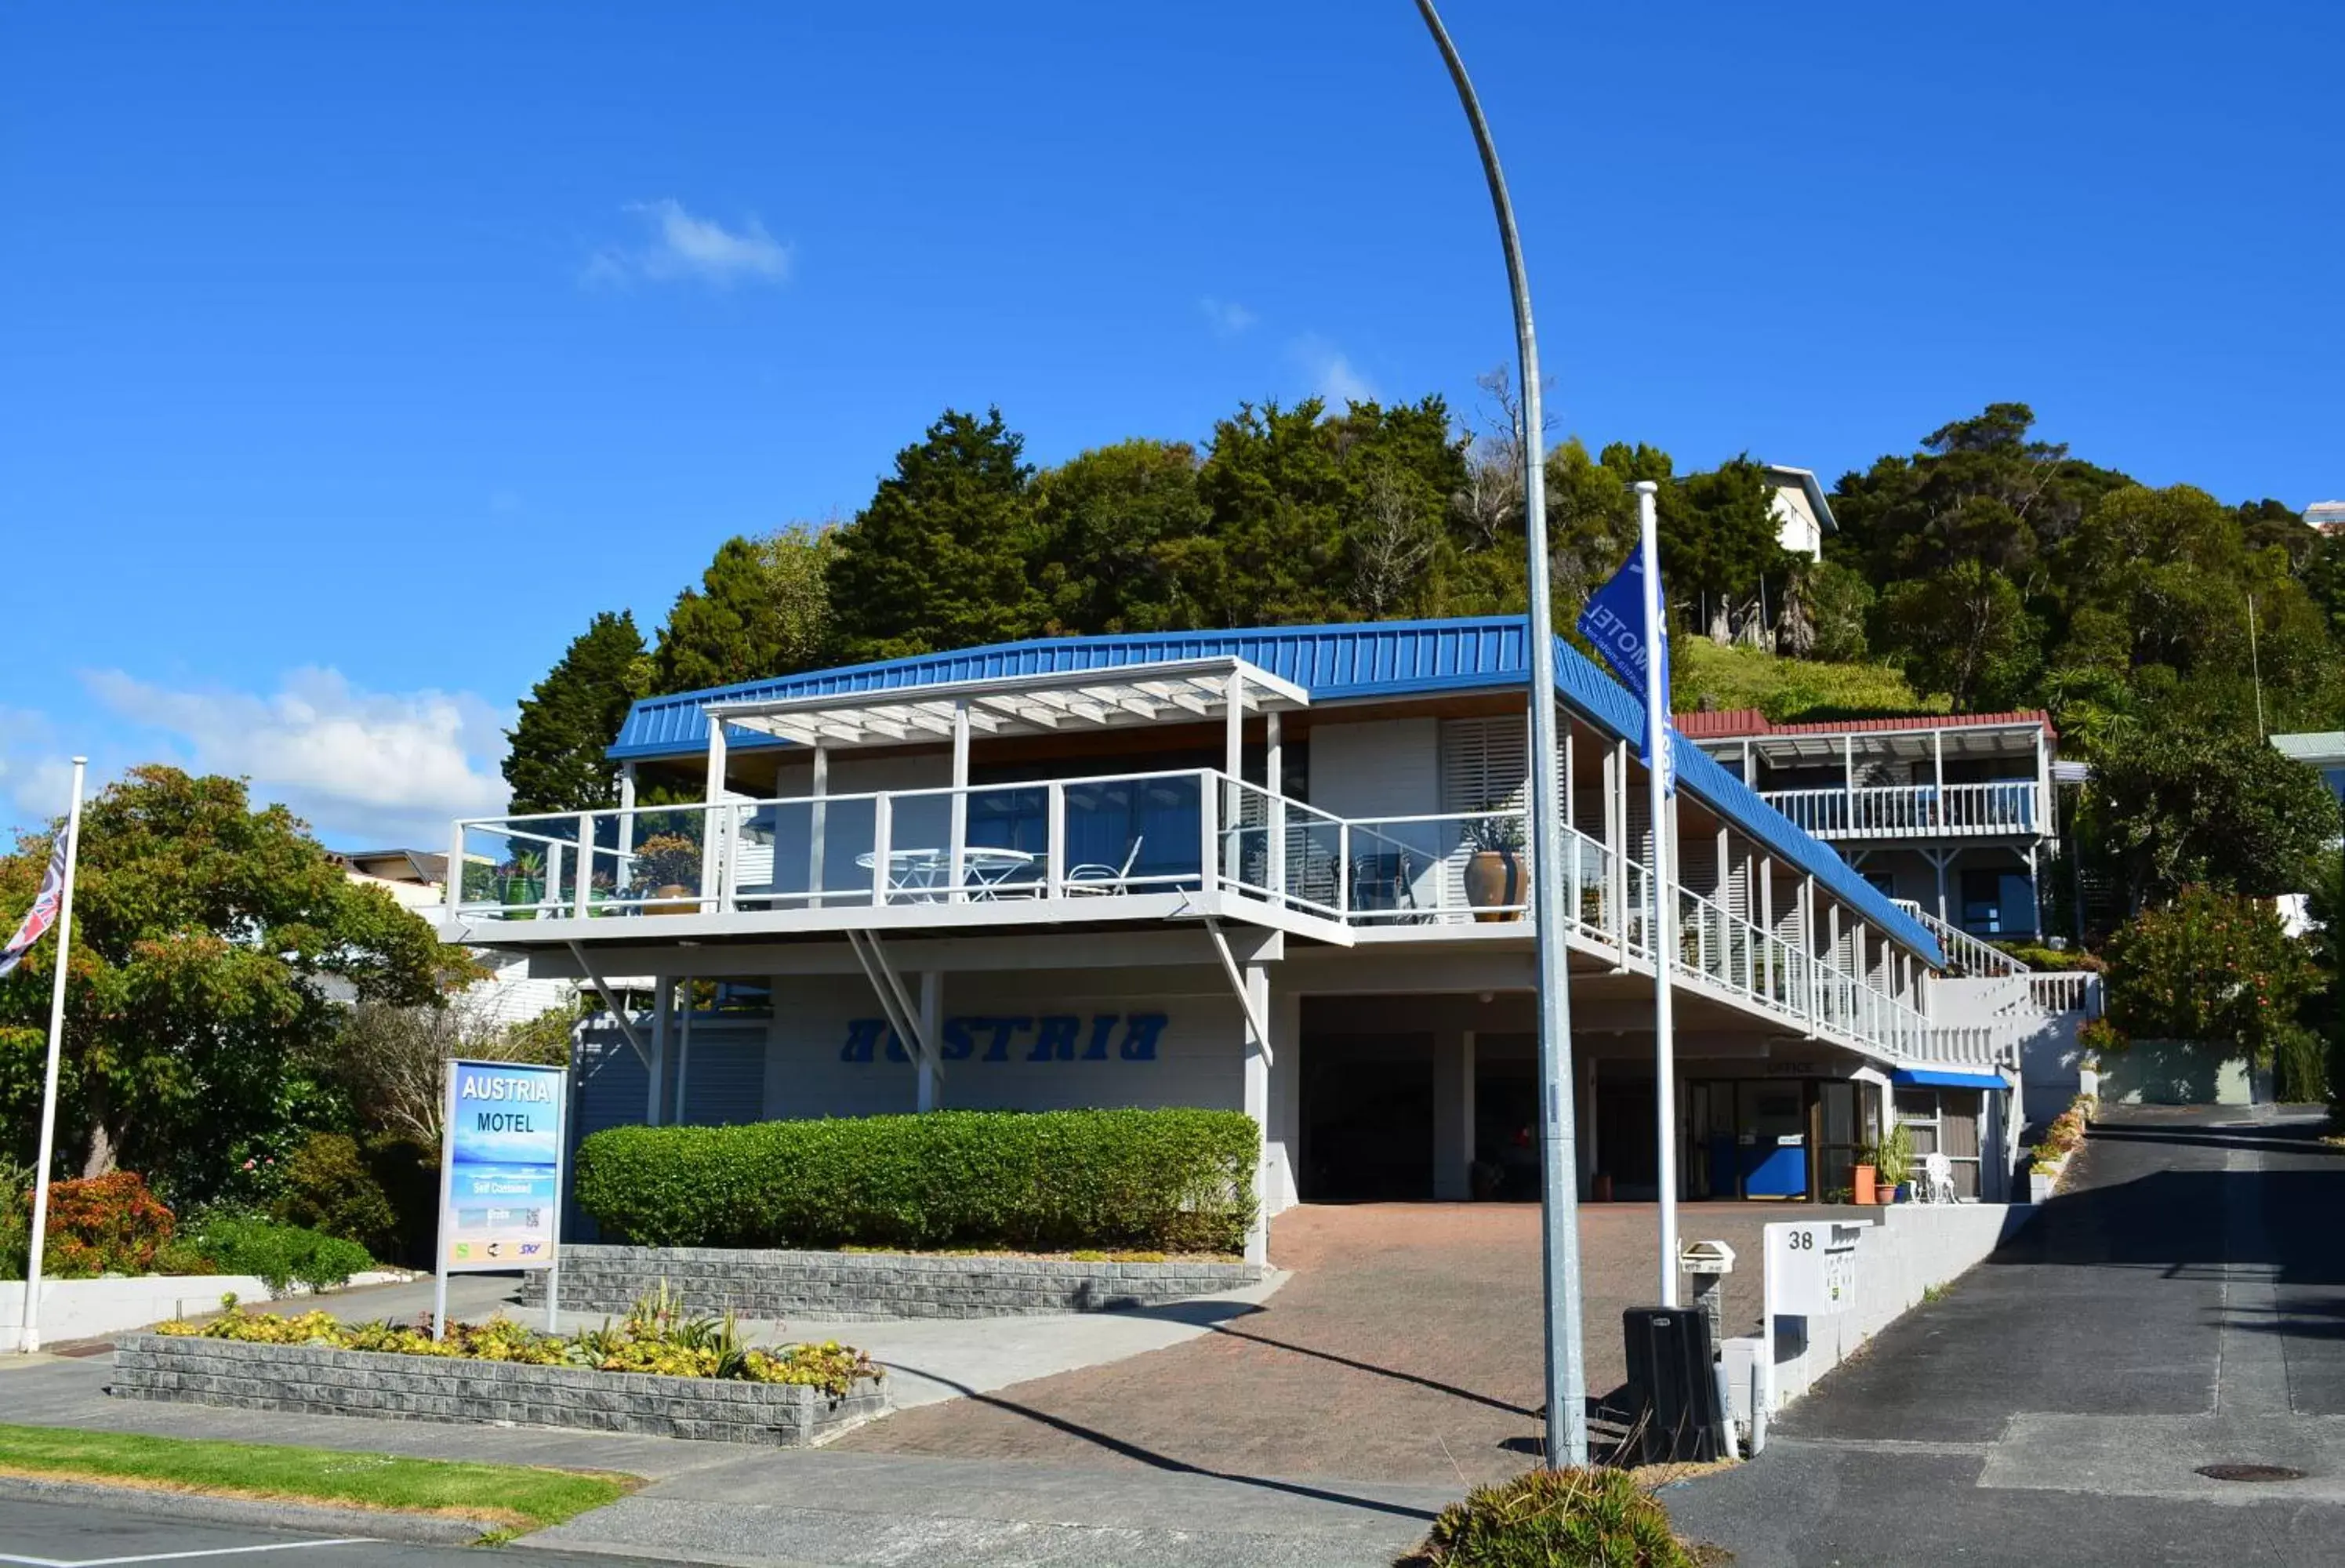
x,y
1406,1348
2182,1305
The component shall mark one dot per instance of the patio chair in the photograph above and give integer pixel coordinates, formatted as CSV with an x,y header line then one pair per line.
x,y
1387,881
1937,1179
1096,880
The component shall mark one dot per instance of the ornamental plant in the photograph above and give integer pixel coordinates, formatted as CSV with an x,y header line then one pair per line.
x,y
104,1225
2210,967
653,1338
1169,1179
1557,1518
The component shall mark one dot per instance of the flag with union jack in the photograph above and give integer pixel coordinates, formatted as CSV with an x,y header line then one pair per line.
x,y
44,913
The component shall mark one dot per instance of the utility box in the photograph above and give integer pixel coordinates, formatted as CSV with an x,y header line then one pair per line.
x,y
1673,1406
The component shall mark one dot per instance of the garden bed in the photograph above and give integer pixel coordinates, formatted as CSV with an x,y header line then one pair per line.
x,y
656,1374
852,1285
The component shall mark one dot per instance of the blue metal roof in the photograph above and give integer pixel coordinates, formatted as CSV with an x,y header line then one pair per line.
x,y
1366,659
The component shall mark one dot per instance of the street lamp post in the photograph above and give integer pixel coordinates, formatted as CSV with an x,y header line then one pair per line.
x,y
1567,1414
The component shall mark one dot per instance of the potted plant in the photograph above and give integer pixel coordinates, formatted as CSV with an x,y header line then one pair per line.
x,y
1864,1177
1494,872
520,883
667,867
1895,1164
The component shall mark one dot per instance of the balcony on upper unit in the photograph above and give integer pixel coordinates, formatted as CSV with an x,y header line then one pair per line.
x,y
1969,777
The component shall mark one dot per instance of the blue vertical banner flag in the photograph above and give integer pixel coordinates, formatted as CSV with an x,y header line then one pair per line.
x,y
1619,619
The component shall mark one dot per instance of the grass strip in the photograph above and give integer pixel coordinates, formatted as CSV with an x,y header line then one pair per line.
x,y
507,1499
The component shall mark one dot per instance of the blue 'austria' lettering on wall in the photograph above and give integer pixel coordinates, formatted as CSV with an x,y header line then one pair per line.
x,y
1056,1037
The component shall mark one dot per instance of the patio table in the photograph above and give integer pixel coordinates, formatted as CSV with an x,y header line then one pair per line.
x,y
928,873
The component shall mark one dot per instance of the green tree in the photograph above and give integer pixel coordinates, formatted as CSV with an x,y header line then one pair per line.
x,y
1332,518
2178,799
208,939
762,608
1718,542
940,557
567,722
1121,534
1963,630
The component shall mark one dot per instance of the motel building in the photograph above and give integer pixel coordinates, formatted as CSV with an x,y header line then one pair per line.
x,y
1283,871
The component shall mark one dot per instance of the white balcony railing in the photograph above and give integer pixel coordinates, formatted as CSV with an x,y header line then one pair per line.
x,y
2003,807
1069,841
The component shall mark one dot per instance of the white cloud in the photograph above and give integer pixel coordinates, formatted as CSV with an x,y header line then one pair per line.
x,y
1227,318
1333,376
391,767
682,246
35,774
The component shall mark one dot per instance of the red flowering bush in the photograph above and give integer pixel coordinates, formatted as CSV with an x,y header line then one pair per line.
x,y
2210,966
104,1225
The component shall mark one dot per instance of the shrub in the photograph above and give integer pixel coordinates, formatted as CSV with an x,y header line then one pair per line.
x,y
282,1254
330,1188
1557,1518
103,1224
1171,1180
2210,967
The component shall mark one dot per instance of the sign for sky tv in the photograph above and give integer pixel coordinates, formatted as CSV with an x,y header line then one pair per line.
x,y
501,1171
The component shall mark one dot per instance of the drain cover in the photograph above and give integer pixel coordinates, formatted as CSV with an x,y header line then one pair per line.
x,y
2249,1472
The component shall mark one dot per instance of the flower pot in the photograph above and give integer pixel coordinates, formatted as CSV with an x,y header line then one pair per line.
x,y
1600,1188
675,898
1904,1192
1863,1179
1494,877
521,895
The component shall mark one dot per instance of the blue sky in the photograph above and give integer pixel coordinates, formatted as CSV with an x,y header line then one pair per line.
x,y
354,355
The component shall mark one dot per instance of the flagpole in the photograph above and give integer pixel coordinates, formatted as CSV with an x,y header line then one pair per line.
x,y
1567,1382
1663,881
29,1338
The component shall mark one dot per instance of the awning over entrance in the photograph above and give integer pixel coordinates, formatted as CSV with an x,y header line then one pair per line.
x,y
1944,1078
1077,701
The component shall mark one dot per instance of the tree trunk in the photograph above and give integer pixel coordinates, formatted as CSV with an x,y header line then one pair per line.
x,y
105,1138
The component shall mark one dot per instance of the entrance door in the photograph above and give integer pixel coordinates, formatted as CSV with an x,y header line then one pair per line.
x,y
1367,1118
1836,1141
1775,1135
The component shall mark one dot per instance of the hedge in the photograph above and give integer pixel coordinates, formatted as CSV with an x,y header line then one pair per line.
x,y
1173,1180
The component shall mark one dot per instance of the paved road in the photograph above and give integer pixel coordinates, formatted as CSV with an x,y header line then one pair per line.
x,y
2183,1304
118,1530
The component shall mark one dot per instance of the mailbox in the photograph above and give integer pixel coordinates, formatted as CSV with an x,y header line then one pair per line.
x,y
1706,1258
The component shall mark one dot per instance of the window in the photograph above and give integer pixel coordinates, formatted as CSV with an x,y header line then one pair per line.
x,y
1944,1121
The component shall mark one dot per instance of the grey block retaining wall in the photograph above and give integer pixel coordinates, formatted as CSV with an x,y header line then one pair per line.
x,y
865,1285
314,1380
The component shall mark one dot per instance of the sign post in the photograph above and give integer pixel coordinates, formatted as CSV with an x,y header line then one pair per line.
x,y
501,1169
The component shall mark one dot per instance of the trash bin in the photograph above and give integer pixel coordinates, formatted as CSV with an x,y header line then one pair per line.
x,y
1673,1409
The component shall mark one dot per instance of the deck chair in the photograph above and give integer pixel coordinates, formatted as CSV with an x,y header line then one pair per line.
x,y
1382,882
1937,1179
1098,880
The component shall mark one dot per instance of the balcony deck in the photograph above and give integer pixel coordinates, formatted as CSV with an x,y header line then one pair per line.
x,y
2000,808
1115,851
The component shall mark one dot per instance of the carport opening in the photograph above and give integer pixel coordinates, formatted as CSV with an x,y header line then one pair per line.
x,y
1366,1115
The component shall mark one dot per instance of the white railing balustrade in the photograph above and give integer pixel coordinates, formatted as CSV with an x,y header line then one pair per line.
x,y
1965,953
2007,807
1072,841
2067,991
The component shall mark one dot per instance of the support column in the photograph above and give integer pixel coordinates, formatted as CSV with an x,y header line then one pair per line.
x,y
1274,779
662,1003
956,854
1453,1115
1257,1106
818,823
932,1007
1233,765
627,828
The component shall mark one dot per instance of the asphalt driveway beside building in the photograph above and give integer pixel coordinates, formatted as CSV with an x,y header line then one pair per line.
x,y
2180,1307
